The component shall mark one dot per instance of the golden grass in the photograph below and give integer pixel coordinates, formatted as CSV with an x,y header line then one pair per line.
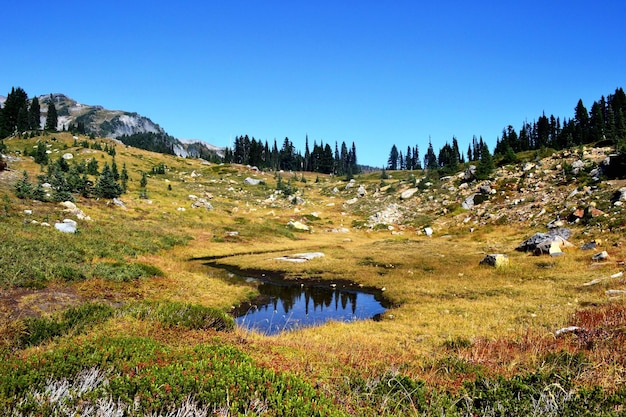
x,y
439,290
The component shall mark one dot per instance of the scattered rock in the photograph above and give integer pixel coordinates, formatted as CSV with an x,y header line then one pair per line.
x,y
68,156
67,226
428,231
301,257
588,246
390,215
406,194
352,201
361,192
485,189
601,256
72,209
496,260
570,329
470,173
544,240
468,203
251,181
119,203
296,225
297,200
202,203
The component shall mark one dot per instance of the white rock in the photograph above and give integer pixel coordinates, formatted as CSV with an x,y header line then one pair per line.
x,y
428,231
294,224
68,226
406,194
68,156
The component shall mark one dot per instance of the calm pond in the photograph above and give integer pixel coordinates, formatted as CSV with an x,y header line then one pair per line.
x,y
290,305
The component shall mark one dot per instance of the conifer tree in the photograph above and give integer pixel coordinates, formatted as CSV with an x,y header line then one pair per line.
x,y
392,162
124,178
106,187
23,188
485,166
52,118
34,114
430,160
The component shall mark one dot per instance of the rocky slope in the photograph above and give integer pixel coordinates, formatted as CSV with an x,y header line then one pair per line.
x,y
114,123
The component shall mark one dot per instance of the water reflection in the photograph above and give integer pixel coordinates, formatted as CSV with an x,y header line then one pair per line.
x,y
288,306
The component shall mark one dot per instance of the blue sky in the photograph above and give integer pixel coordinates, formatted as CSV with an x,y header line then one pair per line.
x,y
371,72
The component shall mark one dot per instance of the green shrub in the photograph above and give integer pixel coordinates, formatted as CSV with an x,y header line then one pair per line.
x,y
182,315
75,320
124,272
147,378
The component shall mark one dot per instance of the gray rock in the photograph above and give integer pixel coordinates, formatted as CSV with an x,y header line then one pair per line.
x,y
485,189
202,203
470,173
296,225
601,256
119,203
428,231
361,192
588,246
297,200
406,194
301,257
67,226
544,240
496,260
251,181
469,202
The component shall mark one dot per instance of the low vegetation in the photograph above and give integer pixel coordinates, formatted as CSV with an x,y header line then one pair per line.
x,y
125,316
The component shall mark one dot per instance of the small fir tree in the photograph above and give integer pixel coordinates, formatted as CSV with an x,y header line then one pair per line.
x,y
52,119
23,188
106,187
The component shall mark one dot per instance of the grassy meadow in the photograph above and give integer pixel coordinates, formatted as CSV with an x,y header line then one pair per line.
x,y
125,317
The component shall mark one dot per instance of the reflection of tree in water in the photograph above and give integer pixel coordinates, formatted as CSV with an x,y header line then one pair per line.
x,y
317,296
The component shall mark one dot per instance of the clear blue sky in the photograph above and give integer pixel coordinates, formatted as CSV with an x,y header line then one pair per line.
x,y
374,72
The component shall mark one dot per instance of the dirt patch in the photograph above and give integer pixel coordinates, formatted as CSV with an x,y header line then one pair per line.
x,y
24,302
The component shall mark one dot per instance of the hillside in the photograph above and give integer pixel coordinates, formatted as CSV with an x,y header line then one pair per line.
x,y
140,295
101,122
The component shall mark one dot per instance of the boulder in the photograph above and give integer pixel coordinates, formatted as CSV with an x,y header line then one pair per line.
x,y
67,226
601,256
251,181
296,225
470,173
497,260
202,203
543,241
468,203
301,257
406,194
428,231
67,156
119,203
485,189
361,192
72,209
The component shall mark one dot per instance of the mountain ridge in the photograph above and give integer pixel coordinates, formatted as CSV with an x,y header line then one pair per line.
x,y
97,120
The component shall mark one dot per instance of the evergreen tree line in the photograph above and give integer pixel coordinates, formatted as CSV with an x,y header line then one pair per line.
x,y
65,180
606,121
150,141
322,159
447,159
19,114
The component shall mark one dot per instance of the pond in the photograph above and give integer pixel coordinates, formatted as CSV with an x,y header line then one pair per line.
x,y
290,305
